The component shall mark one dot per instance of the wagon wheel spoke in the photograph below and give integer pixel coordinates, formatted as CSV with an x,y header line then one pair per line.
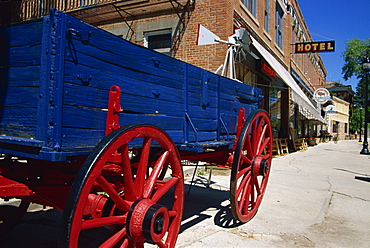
x,y
245,191
164,189
261,142
244,172
101,222
113,194
142,167
246,160
150,183
161,244
253,132
116,238
127,171
248,147
257,186
131,203
251,166
246,179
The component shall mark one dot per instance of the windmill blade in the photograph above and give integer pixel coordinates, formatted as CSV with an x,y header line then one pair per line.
x,y
242,55
242,38
206,37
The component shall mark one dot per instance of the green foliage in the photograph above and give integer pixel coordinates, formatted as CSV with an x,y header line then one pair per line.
x,y
357,120
355,54
359,99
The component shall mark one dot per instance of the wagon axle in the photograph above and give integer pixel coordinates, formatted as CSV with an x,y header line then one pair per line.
x,y
147,221
260,166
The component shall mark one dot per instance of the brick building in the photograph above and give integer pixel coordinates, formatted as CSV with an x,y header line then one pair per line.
x,y
288,80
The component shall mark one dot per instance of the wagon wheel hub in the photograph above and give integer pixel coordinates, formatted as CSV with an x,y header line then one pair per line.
x,y
259,166
147,221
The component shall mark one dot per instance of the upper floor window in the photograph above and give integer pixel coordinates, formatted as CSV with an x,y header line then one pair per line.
x,y
267,15
85,3
160,41
251,6
279,25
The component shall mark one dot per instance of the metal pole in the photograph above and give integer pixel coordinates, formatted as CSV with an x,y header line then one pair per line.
x,y
365,149
360,140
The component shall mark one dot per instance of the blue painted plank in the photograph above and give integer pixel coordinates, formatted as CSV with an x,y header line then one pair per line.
x,y
21,56
20,76
22,97
16,121
116,49
98,69
20,35
74,79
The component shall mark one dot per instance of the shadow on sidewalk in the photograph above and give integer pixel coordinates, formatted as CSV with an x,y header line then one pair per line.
x,y
41,228
204,203
366,179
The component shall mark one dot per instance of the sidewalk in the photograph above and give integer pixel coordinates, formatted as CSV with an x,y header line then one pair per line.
x,y
316,198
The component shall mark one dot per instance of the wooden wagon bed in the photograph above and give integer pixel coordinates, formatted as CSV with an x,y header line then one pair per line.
x,y
56,74
99,127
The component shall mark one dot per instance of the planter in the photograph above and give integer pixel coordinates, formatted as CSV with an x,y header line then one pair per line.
x,y
311,142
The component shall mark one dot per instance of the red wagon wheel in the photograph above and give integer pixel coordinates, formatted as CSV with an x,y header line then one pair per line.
x,y
121,188
251,166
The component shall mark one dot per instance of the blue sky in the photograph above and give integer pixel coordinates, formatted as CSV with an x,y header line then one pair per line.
x,y
338,20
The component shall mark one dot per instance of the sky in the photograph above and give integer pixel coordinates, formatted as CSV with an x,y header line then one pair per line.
x,y
339,20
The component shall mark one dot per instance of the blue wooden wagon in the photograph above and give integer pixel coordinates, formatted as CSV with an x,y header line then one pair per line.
x,y
99,127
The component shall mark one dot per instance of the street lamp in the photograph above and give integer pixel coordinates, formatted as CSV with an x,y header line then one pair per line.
x,y
360,140
366,68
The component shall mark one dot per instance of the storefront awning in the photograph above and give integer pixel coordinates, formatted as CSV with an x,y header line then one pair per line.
x,y
305,106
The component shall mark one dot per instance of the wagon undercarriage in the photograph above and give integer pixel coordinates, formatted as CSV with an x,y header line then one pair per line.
x,y
71,152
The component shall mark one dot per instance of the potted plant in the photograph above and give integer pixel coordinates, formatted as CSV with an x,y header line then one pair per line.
x,y
311,141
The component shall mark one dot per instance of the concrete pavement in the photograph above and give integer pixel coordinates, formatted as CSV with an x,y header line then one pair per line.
x,y
316,198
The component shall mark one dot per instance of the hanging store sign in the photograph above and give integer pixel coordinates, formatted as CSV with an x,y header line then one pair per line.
x,y
321,95
331,109
314,47
268,70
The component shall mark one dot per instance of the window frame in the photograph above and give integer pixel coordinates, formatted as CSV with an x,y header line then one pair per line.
x,y
167,50
251,5
267,16
279,24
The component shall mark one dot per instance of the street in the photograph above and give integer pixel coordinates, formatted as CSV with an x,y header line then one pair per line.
x,y
316,198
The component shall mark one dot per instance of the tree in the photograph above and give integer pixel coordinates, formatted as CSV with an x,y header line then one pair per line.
x,y
357,120
355,55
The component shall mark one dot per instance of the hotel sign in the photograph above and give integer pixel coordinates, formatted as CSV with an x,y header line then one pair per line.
x,y
314,47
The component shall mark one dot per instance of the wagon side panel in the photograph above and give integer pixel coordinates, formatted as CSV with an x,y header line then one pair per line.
x,y
60,106
19,79
151,85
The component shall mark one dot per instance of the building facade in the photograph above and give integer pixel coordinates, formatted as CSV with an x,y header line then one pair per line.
x,y
338,118
287,79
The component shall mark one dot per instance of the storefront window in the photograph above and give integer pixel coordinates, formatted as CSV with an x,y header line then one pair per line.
x,y
335,126
244,74
275,110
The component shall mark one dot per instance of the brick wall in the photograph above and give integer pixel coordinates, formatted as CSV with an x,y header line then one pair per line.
x,y
219,17
216,16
